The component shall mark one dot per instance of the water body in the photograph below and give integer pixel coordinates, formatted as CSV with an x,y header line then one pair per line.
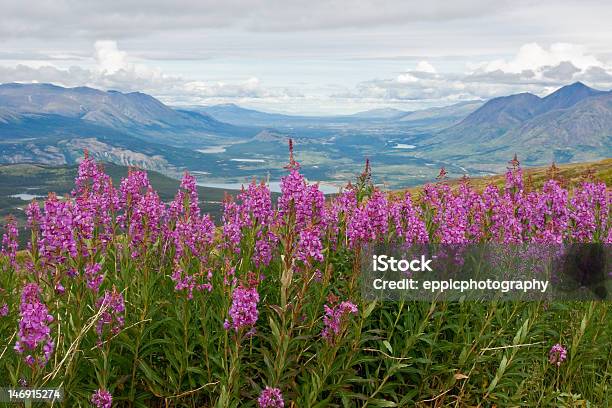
x,y
26,196
274,186
212,150
248,160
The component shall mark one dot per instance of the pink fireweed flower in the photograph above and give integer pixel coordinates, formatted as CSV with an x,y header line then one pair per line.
x,y
57,241
514,178
252,209
10,243
96,200
243,312
232,225
265,244
335,318
146,221
255,205
94,276
548,213
408,222
588,212
102,399
4,310
557,354
449,212
502,224
192,235
34,215
34,331
271,398
189,184
339,211
189,283
59,289
370,221
474,207
113,316
132,188
305,201
309,247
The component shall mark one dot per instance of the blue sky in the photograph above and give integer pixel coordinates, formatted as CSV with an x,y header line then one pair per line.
x,y
316,57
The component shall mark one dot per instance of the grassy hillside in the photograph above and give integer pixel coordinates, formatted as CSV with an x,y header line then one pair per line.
x,y
569,174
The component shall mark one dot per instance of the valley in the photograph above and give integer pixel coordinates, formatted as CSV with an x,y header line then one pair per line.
x,y
227,145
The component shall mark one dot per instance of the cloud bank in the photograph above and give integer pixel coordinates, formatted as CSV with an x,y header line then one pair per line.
x,y
534,69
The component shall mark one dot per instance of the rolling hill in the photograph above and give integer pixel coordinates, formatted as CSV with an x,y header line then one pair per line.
x,y
110,109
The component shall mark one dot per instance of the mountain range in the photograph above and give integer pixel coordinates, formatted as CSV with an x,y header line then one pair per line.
x,y
50,124
240,116
574,123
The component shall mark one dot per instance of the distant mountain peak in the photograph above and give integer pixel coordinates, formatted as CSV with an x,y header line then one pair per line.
x,y
577,84
575,87
566,97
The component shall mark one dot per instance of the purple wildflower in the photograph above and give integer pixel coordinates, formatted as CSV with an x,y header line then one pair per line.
x,y
57,241
271,398
370,221
33,326
309,246
243,312
94,276
102,399
335,318
408,224
265,244
589,212
557,354
113,315
4,310
9,241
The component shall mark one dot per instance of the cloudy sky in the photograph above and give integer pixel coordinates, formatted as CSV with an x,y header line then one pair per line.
x,y
312,57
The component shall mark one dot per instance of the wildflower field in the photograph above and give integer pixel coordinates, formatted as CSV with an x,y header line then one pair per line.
x,y
123,300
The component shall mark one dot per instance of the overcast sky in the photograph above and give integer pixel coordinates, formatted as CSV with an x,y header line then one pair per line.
x,y
309,57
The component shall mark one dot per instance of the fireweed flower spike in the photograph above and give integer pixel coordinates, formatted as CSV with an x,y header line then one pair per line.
x,y
113,317
335,318
94,276
9,241
243,312
102,399
309,246
557,354
271,398
4,310
34,331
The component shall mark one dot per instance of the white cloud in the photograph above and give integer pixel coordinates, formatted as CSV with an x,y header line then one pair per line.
x,y
533,69
424,66
109,58
534,57
114,69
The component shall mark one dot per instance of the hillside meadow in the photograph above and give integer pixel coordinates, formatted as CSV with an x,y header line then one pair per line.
x,y
122,299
